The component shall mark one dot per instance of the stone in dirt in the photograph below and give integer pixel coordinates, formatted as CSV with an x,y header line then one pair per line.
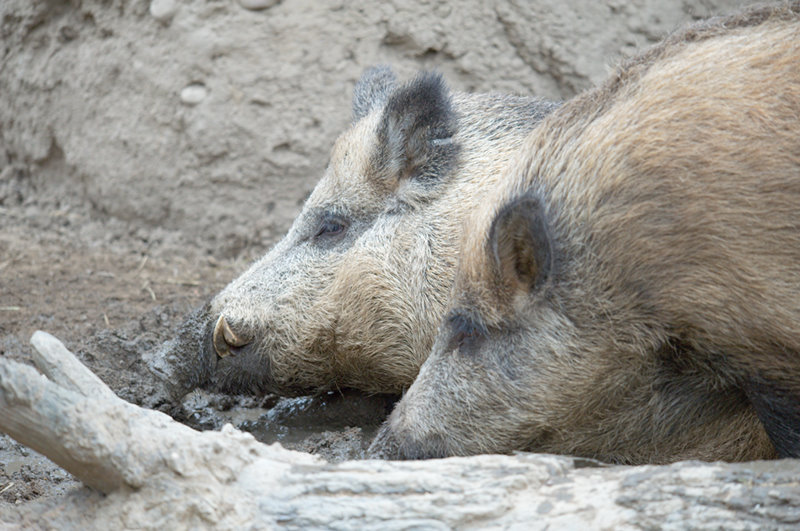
x,y
257,5
163,10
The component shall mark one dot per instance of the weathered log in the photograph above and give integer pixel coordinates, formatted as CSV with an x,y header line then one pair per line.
x,y
73,418
159,474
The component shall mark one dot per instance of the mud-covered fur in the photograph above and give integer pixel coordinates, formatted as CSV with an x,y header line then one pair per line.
x,y
631,291
352,296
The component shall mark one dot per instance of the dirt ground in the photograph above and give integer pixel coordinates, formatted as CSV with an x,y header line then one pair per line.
x,y
113,298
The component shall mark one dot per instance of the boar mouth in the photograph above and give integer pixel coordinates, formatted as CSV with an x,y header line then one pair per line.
x,y
248,373
393,445
242,372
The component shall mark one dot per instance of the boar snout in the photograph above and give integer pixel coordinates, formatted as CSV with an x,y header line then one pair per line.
x,y
242,360
396,443
187,361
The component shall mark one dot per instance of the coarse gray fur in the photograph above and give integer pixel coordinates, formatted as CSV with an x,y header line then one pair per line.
x,y
352,295
631,291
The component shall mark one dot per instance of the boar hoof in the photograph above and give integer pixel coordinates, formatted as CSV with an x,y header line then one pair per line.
x,y
225,338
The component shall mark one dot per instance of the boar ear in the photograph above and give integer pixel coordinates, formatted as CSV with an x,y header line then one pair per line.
x,y
372,90
520,245
415,134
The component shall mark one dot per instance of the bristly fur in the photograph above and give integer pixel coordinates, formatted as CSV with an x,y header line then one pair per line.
x,y
372,90
352,295
670,330
415,135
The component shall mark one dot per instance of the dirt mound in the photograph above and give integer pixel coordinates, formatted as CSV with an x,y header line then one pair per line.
x,y
209,123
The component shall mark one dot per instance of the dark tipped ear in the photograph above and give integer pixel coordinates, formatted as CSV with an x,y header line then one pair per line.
x,y
520,244
372,90
415,134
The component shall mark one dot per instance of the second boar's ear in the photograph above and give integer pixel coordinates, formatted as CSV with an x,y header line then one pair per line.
x,y
372,90
415,133
520,246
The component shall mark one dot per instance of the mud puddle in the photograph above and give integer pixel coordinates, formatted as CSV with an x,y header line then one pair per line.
x,y
335,425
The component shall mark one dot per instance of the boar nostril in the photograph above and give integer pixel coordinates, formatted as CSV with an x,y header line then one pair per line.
x,y
224,338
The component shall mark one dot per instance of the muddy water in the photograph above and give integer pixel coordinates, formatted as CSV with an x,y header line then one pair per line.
x,y
335,425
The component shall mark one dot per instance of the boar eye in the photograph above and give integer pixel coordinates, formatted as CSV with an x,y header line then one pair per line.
x,y
330,227
465,329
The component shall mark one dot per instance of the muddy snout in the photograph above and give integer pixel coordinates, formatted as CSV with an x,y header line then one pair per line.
x,y
241,353
187,360
399,442
227,340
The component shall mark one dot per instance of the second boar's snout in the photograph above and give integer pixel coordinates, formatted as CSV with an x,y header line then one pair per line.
x,y
226,340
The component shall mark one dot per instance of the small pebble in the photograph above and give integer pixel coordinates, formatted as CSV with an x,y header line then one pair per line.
x,y
163,10
66,34
256,5
194,93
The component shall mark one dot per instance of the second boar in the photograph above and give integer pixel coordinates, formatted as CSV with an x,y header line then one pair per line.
x,y
632,291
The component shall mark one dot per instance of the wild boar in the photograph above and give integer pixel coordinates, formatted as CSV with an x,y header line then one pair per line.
x,y
352,295
631,291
